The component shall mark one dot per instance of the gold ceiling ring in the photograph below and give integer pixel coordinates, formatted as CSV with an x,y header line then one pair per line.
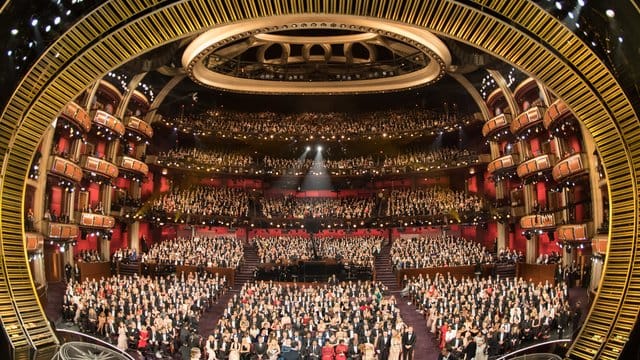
x,y
516,31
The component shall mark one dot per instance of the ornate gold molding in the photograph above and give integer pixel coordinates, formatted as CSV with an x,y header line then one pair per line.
x,y
516,31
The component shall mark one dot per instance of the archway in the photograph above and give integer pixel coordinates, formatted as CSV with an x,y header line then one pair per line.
x,y
516,31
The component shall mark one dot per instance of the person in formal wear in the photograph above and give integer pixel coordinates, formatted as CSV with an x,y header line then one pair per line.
x,y
395,348
481,348
382,346
260,349
315,351
341,350
408,342
122,337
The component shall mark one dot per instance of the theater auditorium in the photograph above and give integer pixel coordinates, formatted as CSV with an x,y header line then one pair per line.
x,y
324,180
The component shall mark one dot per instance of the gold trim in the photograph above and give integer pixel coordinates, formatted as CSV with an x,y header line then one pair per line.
x,y
532,40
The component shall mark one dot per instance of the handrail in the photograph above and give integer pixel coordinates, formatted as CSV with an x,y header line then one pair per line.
x,y
95,340
531,347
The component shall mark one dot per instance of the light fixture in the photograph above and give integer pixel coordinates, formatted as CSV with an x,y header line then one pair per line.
x,y
34,22
14,31
610,13
56,21
319,148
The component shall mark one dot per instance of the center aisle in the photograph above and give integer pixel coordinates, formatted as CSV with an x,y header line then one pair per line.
x,y
425,347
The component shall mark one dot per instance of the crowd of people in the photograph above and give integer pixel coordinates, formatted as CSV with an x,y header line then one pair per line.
x,y
209,160
432,201
359,251
89,256
332,321
203,201
218,251
272,125
156,315
478,318
437,251
300,208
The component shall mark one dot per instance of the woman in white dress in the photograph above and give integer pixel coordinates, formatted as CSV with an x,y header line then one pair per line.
x,y
481,348
211,352
396,345
122,337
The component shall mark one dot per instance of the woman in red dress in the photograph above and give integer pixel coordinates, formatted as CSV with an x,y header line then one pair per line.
x,y
144,338
443,335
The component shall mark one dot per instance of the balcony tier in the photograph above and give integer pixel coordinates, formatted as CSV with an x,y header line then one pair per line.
x,y
139,127
33,241
496,124
576,232
534,166
131,164
109,121
502,164
99,166
527,120
96,221
556,111
543,221
65,168
569,167
77,115
61,231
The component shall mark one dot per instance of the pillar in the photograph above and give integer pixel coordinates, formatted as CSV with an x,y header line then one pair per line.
x,y
134,236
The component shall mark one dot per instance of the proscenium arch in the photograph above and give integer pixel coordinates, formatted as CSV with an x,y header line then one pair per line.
x,y
517,31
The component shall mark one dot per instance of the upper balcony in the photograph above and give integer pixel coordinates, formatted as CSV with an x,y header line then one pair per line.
x,y
535,166
77,116
558,110
133,165
139,127
61,231
497,127
572,166
33,241
538,222
576,232
109,122
65,168
99,221
502,166
99,166
527,122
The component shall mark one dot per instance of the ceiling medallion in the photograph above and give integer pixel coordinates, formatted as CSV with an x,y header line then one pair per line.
x,y
316,54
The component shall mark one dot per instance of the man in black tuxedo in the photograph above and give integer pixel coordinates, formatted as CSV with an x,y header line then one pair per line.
x,y
315,351
354,352
260,348
382,346
445,354
408,341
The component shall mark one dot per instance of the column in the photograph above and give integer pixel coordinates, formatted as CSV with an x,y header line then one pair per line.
x,y
41,187
134,236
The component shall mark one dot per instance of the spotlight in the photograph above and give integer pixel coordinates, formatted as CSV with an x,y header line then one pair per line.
x,y
308,148
34,22
610,13
56,21
14,31
319,148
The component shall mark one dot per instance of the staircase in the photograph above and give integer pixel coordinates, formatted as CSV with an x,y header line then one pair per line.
x,y
246,270
384,271
506,271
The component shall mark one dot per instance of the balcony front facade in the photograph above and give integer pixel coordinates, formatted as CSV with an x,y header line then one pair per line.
x,y
527,122
576,232
76,115
65,168
108,122
33,241
497,127
98,166
503,165
535,166
130,164
95,221
570,167
61,231
558,110
538,222
139,127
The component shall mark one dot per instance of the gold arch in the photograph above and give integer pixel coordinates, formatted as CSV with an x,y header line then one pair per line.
x,y
517,31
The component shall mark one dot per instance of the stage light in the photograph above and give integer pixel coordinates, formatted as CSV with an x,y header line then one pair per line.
x,y
34,22
56,21
319,148
14,31
308,148
610,13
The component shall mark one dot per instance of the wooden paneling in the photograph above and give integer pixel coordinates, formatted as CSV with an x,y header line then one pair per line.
x,y
556,111
65,168
536,273
540,221
77,115
61,231
576,232
534,166
456,271
527,119
94,270
109,121
139,127
571,166
34,241
96,221
131,164
502,163
497,123
99,166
